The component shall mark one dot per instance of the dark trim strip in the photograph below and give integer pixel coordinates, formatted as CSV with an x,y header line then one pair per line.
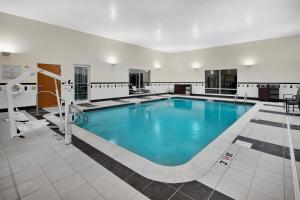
x,y
154,82
275,124
273,149
109,83
179,82
151,189
21,83
267,83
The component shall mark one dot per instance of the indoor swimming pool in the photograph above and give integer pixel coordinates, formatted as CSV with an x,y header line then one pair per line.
x,y
168,132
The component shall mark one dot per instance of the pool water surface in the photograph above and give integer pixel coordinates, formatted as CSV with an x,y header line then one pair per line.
x,y
168,132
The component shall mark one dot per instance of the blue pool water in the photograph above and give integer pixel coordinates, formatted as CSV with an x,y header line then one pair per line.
x,y
167,132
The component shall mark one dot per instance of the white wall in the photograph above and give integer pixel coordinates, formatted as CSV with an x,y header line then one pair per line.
x,y
274,60
32,42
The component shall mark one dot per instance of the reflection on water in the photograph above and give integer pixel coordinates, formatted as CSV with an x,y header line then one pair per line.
x,y
168,132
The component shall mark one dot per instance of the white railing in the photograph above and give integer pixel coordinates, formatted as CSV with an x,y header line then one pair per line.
x,y
235,97
293,162
245,98
80,116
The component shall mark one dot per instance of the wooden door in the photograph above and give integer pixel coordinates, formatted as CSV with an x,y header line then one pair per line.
x,y
45,83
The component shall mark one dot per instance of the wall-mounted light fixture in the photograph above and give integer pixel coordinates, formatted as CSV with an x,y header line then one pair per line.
x,y
196,66
112,61
249,62
6,53
157,65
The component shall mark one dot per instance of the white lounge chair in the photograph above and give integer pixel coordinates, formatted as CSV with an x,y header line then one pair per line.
x,y
135,90
147,89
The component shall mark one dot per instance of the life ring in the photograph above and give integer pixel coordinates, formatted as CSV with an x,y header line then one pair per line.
x,y
16,89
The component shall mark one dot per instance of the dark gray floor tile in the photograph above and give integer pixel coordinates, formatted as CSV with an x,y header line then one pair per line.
x,y
110,164
175,185
137,181
219,196
158,191
179,196
196,190
122,171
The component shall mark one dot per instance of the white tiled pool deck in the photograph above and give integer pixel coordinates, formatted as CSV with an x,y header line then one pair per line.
x,y
42,167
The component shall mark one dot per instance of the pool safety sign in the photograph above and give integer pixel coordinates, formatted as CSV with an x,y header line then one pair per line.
x,y
226,159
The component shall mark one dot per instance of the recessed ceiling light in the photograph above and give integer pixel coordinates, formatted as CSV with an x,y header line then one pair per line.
x,y
195,30
158,34
113,12
249,19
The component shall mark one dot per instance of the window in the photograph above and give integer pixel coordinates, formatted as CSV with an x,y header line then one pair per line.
x,y
138,78
221,81
81,83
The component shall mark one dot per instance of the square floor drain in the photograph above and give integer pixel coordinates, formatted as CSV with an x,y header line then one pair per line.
x,y
244,144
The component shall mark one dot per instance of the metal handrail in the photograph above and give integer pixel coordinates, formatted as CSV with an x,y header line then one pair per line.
x,y
85,118
245,98
235,98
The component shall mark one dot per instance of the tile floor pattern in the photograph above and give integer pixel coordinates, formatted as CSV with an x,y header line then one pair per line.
x,y
151,189
42,167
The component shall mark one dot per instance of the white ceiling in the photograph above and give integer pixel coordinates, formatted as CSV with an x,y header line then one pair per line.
x,y
167,25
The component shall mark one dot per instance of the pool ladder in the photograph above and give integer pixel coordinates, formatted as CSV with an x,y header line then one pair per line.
x,y
236,98
80,117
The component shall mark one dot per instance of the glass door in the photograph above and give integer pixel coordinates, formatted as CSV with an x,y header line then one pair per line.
x,y
221,81
138,78
81,83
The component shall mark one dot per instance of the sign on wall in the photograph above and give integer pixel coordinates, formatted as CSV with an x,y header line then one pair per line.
x,y
10,71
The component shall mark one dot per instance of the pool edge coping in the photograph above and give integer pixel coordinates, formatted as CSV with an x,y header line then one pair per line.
x,y
194,169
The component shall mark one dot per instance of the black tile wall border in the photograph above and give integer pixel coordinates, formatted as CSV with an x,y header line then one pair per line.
x,y
268,83
155,190
275,124
110,83
179,82
174,82
273,149
21,83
